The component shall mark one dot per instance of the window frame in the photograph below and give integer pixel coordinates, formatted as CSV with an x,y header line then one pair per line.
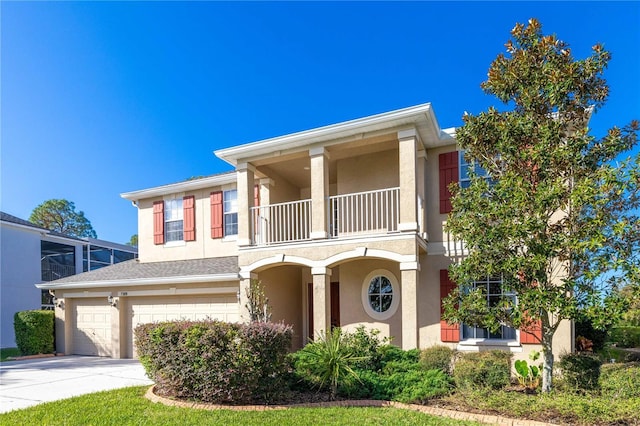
x,y
229,217
173,206
463,166
395,294
513,332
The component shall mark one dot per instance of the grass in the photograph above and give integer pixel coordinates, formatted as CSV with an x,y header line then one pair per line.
x,y
8,352
561,407
129,407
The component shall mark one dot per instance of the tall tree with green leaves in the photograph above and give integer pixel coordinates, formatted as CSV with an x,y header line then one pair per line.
x,y
558,218
60,215
133,241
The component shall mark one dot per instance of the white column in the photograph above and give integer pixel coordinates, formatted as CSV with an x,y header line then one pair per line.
x,y
321,299
409,300
319,192
116,349
407,143
245,172
69,325
243,300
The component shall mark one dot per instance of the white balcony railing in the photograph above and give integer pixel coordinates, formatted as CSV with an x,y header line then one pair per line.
x,y
369,212
364,212
281,223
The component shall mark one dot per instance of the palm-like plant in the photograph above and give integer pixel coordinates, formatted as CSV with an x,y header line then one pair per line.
x,y
328,360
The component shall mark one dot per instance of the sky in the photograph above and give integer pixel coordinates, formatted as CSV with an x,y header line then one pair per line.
x,y
101,98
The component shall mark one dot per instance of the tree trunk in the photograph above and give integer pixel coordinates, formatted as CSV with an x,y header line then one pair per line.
x,y
547,366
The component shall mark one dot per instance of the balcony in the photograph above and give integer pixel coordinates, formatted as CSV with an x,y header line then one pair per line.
x,y
54,271
362,213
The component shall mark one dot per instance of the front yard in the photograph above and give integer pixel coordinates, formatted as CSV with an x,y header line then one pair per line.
x,y
128,406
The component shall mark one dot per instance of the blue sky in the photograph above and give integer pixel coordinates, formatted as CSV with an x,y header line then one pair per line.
x,y
103,98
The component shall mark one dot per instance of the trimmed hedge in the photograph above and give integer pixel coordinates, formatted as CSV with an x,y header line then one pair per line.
x,y
490,369
437,357
214,361
34,331
625,337
580,371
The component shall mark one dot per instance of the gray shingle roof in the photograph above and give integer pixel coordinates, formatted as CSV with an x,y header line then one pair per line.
x,y
135,270
6,217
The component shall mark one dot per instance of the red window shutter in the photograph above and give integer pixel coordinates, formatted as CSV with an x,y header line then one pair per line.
x,y
532,334
448,332
189,216
256,196
448,166
216,214
158,222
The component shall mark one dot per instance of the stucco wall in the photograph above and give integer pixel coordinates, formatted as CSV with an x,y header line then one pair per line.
x,y
352,312
204,246
284,288
20,261
368,172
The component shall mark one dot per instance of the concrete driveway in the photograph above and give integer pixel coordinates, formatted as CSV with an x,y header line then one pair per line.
x,y
30,382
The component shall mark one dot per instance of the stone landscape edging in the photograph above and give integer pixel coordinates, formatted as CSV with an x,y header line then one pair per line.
x,y
435,411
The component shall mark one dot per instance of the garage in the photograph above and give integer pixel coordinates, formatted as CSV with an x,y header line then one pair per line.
x,y
92,333
223,307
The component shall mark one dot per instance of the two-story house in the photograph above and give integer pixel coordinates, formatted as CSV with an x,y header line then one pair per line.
x,y
30,254
343,225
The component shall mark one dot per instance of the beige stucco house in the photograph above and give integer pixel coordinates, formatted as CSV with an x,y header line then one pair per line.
x,y
343,224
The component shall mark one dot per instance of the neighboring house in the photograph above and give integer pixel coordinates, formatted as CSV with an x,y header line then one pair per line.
x,y
343,225
30,254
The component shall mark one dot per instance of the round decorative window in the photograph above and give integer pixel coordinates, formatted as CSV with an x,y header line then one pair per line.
x,y
380,295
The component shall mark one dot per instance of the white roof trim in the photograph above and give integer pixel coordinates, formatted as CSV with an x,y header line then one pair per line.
x,y
188,279
33,229
188,185
402,117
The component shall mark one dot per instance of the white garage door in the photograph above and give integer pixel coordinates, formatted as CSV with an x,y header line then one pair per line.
x,y
92,333
154,309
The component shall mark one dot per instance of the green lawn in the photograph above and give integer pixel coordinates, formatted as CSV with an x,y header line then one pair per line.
x,y
129,407
8,352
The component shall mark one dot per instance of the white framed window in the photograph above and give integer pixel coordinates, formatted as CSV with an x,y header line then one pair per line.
x,y
466,167
494,292
230,212
380,294
173,220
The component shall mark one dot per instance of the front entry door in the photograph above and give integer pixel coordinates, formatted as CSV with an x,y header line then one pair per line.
x,y
335,307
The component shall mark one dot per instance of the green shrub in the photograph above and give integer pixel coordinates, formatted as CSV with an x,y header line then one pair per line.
x,y
580,371
328,362
490,369
396,360
366,345
417,386
34,331
412,386
369,385
214,361
437,357
620,380
625,337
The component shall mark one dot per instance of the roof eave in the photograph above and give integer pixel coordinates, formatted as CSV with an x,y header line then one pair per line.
x,y
185,279
189,185
413,115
